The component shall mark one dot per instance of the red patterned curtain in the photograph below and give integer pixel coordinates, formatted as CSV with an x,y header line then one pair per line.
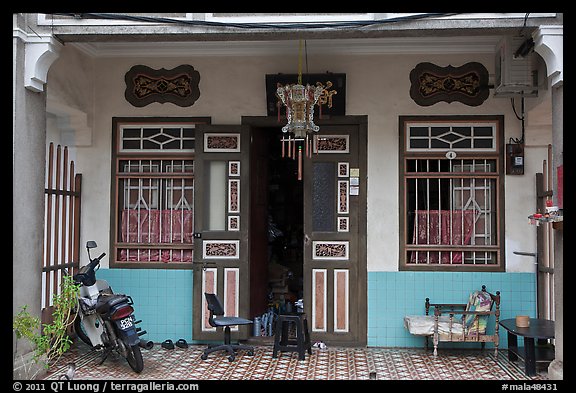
x,y
154,227
443,227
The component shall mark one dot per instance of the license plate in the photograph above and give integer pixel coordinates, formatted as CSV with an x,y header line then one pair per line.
x,y
125,323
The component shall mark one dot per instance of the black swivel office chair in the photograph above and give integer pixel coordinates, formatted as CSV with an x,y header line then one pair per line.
x,y
217,319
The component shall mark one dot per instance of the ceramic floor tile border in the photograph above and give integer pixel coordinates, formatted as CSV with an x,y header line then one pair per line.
x,y
329,364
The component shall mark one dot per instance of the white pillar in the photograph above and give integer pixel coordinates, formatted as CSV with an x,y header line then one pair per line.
x,y
32,56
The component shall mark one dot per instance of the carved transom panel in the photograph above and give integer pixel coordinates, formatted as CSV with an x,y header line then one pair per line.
x,y
467,84
145,85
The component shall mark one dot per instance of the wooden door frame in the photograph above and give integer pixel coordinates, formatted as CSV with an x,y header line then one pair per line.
x,y
361,121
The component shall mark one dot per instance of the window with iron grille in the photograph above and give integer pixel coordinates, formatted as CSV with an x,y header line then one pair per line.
x,y
153,192
451,182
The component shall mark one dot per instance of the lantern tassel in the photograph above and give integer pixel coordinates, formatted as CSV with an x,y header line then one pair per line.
x,y
299,162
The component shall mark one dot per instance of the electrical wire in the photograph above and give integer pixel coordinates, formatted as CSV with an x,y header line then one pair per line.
x,y
516,140
524,25
284,26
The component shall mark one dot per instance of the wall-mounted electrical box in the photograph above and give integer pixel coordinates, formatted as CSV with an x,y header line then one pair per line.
x,y
515,159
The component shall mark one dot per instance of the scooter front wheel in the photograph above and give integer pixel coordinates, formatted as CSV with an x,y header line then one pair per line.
x,y
80,332
134,358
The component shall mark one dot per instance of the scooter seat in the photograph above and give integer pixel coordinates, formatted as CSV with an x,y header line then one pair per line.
x,y
106,302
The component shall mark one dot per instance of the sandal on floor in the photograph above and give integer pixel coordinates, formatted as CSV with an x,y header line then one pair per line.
x,y
181,343
168,344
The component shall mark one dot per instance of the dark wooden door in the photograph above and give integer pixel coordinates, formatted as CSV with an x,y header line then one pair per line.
x,y
221,222
335,187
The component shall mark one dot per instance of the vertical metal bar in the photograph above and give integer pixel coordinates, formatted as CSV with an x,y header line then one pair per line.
x,y
550,234
487,207
48,240
71,198
416,206
473,200
462,200
487,215
139,216
162,204
182,211
56,219
545,227
127,196
77,210
546,244
439,215
149,209
451,206
65,199
171,238
428,210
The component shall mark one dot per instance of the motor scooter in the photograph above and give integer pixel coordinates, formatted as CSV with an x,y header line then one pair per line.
x,y
105,320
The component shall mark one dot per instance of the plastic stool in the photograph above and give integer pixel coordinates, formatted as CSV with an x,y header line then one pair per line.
x,y
281,340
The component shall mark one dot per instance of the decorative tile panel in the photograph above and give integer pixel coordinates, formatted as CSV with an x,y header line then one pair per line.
x,y
221,249
233,196
233,223
343,224
343,189
341,300
343,169
231,294
233,168
334,250
209,282
319,285
221,143
332,144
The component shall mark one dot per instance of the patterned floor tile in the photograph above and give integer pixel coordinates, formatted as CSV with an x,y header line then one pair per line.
x,y
328,364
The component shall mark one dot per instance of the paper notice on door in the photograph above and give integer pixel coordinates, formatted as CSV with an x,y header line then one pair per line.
x,y
354,190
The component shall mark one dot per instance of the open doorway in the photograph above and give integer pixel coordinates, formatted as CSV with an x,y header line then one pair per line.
x,y
276,225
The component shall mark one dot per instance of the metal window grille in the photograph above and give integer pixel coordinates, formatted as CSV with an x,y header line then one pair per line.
x,y
155,219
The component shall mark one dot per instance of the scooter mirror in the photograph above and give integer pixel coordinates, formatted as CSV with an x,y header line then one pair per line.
x,y
91,244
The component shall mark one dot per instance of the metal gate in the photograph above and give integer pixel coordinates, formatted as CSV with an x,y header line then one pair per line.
x,y
61,225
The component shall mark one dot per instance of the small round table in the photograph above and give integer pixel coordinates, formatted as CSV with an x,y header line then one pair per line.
x,y
540,329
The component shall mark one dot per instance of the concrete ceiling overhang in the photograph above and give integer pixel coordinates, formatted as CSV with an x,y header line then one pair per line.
x,y
352,46
428,35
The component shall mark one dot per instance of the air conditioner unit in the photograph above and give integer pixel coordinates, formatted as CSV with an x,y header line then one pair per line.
x,y
515,75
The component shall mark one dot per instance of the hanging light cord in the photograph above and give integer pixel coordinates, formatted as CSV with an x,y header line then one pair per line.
x,y
300,63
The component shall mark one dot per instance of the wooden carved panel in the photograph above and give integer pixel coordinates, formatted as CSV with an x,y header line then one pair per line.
x,y
467,84
178,86
333,250
221,249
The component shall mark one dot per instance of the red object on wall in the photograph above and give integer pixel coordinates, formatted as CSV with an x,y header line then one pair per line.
x,y
560,185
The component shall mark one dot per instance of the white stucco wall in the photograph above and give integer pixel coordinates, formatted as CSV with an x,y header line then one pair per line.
x,y
377,86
